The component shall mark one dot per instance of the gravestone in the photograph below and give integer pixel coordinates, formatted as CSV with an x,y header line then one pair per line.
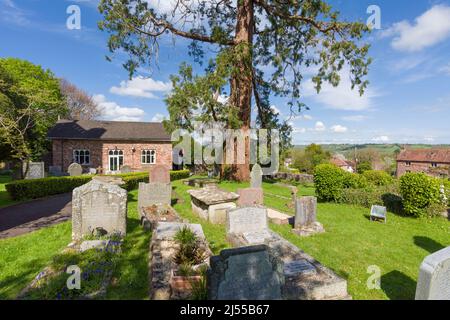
x,y
247,273
434,277
125,169
92,171
256,176
75,169
154,193
305,223
55,170
159,173
250,197
98,205
33,170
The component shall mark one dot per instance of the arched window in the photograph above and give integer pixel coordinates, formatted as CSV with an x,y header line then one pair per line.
x,y
148,156
82,156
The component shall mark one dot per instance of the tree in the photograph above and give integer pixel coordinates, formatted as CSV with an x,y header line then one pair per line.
x,y
81,105
364,166
286,37
30,103
312,156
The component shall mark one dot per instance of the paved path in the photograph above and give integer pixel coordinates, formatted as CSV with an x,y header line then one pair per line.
x,y
33,215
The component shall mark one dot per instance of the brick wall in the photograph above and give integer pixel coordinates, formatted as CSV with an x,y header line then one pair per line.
x,y
425,167
99,150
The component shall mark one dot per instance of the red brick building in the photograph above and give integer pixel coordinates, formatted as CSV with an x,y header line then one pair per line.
x,y
109,145
434,162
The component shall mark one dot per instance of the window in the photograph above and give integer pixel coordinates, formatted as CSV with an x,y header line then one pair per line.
x,y
434,165
148,156
82,156
115,159
408,163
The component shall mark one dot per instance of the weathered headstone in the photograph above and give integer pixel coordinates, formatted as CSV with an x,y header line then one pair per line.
x,y
250,197
159,173
247,273
305,223
55,170
154,193
92,171
98,205
305,211
125,169
75,169
256,176
33,170
434,277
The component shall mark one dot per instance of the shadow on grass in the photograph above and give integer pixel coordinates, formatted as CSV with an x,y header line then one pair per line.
x,y
398,286
428,244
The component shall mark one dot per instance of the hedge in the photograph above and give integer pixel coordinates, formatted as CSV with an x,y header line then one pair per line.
x,y
38,188
419,192
329,181
378,178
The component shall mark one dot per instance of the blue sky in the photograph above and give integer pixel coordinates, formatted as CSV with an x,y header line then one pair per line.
x,y
408,99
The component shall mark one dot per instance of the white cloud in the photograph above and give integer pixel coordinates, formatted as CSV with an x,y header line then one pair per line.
x,y
141,87
159,117
298,130
319,126
356,118
275,109
12,14
341,97
381,139
112,111
431,28
446,69
338,128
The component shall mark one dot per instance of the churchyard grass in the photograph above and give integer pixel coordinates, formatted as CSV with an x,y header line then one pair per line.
x,y
351,242
5,199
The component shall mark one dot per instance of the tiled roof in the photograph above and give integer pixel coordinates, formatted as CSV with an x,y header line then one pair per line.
x,y
425,155
339,162
108,130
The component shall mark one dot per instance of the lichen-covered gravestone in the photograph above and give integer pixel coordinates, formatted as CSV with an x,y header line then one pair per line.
x,y
247,273
434,277
306,217
256,176
159,173
250,197
98,205
125,169
75,169
33,170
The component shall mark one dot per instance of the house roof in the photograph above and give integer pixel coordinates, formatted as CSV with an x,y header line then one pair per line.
x,y
339,162
108,130
425,155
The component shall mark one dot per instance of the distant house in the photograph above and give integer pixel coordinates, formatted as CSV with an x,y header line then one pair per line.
x,y
342,163
109,145
434,162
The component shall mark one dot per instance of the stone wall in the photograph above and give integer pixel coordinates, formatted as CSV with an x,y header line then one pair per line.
x,y
63,153
299,177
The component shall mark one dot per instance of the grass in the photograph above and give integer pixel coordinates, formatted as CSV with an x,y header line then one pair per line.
x,y
5,199
351,242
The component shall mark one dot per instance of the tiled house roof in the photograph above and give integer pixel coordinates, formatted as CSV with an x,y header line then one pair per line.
x,y
109,130
425,155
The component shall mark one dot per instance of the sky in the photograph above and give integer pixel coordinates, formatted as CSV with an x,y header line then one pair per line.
x,y
407,101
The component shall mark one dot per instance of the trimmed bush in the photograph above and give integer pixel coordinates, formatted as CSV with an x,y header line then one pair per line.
x,y
329,182
378,178
419,192
354,180
39,188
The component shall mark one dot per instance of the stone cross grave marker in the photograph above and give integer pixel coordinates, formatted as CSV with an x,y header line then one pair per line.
x,y
159,173
305,211
34,170
256,176
75,169
434,277
247,273
98,205
250,197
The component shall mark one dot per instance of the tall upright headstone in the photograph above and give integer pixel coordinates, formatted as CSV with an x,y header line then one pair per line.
x,y
98,205
159,173
247,273
250,197
75,169
256,176
33,170
434,277
305,223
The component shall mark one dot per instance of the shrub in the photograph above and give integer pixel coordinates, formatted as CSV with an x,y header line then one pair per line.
x,y
354,180
179,174
329,182
363,166
190,251
378,178
419,192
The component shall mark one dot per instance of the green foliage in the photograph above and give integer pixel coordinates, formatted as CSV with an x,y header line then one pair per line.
x,y
179,174
329,182
354,180
30,103
378,178
312,156
419,192
200,288
191,251
363,166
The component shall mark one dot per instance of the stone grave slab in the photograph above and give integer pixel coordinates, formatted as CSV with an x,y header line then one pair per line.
x,y
303,267
277,217
167,230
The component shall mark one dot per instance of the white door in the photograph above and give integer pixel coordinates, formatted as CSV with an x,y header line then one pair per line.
x,y
115,160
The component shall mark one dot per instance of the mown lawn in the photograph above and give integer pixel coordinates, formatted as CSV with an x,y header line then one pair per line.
x,y
351,243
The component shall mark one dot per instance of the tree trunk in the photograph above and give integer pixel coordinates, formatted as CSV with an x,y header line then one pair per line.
x,y
241,82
